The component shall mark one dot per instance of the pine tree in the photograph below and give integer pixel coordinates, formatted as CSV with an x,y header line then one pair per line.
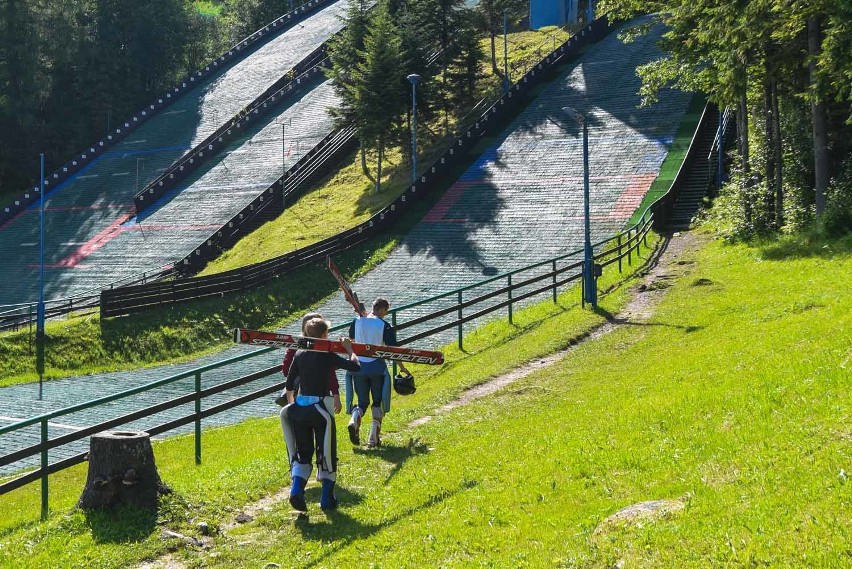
x,y
377,87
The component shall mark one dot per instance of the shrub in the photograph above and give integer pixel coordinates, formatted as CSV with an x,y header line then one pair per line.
x,y
836,220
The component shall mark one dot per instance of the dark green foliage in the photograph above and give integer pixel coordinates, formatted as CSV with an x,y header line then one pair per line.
x,y
785,69
490,20
346,52
71,70
837,219
463,69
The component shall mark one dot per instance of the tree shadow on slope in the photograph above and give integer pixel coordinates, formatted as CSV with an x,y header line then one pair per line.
x,y
602,90
599,85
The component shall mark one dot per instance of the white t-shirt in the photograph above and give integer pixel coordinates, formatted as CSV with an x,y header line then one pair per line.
x,y
369,330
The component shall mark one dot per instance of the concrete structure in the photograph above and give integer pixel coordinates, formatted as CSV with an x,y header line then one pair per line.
x,y
559,12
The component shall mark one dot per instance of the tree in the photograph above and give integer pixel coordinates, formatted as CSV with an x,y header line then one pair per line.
x,y
463,70
346,51
491,14
377,87
763,58
443,26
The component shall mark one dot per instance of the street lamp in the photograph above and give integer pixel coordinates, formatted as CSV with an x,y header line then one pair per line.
x,y
590,292
505,53
40,339
414,79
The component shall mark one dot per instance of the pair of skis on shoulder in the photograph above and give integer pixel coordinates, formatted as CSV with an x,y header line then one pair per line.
x,y
393,353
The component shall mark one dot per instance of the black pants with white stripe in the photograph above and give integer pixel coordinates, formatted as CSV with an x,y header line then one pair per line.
x,y
314,431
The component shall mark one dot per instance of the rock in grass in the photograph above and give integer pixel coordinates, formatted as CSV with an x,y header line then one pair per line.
x,y
243,518
642,511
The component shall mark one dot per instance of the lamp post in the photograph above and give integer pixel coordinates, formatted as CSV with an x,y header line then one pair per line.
x,y
138,161
590,292
505,54
40,310
414,79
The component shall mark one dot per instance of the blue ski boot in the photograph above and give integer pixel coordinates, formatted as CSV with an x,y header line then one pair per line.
x,y
328,501
297,494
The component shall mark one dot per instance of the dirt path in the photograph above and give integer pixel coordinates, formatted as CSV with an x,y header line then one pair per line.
x,y
666,266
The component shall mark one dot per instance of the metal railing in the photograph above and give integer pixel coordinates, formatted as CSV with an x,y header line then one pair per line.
x,y
16,316
715,157
422,319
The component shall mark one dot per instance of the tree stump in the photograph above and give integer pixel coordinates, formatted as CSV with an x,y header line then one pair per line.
x,y
121,472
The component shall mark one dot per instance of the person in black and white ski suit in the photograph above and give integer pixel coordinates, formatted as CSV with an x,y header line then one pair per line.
x,y
373,381
311,419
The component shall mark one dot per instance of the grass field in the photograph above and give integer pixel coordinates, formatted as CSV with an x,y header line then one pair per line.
x,y
732,402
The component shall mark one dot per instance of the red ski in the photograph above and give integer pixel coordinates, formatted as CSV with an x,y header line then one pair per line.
x,y
393,353
350,295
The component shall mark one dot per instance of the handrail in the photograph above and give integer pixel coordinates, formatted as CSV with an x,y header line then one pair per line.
x,y
127,393
720,131
667,200
73,166
195,372
13,316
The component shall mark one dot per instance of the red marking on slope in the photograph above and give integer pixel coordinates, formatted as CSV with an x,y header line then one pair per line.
x,y
96,242
436,214
49,210
632,195
186,226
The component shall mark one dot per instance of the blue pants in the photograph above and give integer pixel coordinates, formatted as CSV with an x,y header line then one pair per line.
x,y
368,387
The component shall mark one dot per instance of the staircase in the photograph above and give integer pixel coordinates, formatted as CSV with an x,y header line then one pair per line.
x,y
698,183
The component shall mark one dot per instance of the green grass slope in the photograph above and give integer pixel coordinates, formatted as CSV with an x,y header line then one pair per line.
x,y
732,400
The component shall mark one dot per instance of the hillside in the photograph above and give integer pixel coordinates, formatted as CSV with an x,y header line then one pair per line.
x,y
723,408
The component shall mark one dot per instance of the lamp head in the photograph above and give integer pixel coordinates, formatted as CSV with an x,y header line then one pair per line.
x,y
573,114
414,78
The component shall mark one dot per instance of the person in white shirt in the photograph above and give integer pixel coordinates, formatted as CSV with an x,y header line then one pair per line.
x,y
373,381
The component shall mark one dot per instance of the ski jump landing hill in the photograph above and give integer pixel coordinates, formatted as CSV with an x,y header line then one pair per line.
x,y
92,235
521,201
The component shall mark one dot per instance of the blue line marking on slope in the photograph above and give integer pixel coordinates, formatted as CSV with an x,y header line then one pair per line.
x,y
128,153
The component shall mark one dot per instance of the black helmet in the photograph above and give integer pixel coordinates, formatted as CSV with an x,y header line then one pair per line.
x,y
404,384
